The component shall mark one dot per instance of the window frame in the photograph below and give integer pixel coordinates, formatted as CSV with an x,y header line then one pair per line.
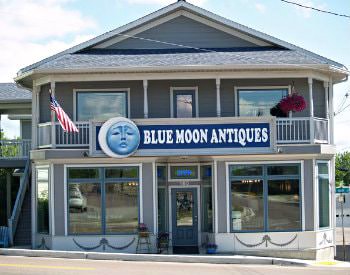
x,y
50,189
109,90
317,183
265,178
184,90
257,89
103,181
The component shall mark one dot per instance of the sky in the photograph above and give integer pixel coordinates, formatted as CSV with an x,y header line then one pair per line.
x,y
31,30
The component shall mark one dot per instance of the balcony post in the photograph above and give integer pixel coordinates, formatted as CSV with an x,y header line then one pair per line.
x,y
145,98
312,121
35,116
218,97
326,94
53,126
331,113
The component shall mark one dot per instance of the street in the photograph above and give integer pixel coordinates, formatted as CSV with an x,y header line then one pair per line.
x,y
339,242
10,265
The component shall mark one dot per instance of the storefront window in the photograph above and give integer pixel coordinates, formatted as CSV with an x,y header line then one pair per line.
x,y
323,194
103,201
207,204
265,197
258,102
42,179
100,105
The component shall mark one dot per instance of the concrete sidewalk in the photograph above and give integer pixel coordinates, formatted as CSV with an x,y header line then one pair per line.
x,y
212,259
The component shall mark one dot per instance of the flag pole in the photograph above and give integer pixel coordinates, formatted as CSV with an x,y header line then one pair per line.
x,y
53,121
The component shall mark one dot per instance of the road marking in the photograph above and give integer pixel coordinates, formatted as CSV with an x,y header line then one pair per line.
x,y
47,266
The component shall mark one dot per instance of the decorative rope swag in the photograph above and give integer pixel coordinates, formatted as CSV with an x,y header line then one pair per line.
x,y
267,239
104,243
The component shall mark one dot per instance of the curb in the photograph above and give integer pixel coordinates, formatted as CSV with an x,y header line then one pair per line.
x,y
217,259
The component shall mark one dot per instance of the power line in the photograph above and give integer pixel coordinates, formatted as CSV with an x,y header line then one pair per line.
x,y
316,9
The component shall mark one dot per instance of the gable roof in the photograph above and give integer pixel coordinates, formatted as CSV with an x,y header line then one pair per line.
x,y
12,93
72,55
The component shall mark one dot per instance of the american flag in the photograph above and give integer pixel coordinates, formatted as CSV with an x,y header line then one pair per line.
x,y
66,123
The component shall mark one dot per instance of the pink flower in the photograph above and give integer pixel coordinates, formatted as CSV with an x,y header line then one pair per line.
x,y
292,103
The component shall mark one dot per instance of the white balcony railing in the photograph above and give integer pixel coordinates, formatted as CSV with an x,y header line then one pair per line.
x,y
288,131
15,148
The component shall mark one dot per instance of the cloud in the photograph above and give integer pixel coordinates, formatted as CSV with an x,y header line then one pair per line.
x,y
305,12
31,30
164,2
260,7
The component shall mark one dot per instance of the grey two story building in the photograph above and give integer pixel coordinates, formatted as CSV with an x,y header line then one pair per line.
x,y
181,129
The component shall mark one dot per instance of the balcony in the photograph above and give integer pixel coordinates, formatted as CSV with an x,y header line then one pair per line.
x,y
288,131
15,149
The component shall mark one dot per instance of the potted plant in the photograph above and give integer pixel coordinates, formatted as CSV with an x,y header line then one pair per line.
x,y
211,248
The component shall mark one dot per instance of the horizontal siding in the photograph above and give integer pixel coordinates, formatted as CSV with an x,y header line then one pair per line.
x,y
159,95
183,31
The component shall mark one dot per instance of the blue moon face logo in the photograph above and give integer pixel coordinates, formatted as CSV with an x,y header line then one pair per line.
x,y
123,138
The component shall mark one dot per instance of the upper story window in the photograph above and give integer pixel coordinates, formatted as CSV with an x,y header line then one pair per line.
x,y
258,102
101,105
184,102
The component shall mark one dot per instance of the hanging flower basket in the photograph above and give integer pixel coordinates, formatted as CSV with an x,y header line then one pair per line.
x,y
292,103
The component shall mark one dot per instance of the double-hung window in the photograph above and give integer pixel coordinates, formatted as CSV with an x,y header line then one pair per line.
x,y
265,197
101,105
103,200
252,102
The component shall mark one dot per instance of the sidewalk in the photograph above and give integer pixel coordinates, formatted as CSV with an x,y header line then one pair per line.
x,y
215,259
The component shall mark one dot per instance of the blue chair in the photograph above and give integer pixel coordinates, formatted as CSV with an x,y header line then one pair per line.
x,y
4,236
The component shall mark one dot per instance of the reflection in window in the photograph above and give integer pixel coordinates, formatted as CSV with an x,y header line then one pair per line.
x,y
121,207
100,105
283,205
43,200
184,105
247,204
323,194
258,102
85,216
184,209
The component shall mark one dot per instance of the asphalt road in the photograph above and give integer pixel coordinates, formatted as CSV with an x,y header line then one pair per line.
x,y
33,266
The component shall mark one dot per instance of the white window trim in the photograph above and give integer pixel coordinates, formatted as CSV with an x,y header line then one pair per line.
x,y
228,207
317,208
66,166
260,88
174,89
75,91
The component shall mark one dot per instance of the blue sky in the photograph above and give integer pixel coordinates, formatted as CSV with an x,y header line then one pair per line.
x,y
68,22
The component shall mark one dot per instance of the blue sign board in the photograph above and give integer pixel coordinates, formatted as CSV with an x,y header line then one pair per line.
x,y
340,190
167,138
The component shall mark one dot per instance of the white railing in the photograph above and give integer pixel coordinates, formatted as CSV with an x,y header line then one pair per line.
x,y
59,138
288,130
302,130
15,148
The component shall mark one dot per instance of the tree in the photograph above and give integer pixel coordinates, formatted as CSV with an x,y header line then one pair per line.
x,y
342,163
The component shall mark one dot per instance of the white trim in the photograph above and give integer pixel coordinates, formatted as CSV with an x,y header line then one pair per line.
x,y
65,195
315,192
52,199
184,164
216,211
228,191
199,221
76,90
173,89
259,89
317,209
155,198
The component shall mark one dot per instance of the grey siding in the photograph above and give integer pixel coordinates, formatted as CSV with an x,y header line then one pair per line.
x,y
221,197
183,31
64,95
59,199
309,195
26,129
147,195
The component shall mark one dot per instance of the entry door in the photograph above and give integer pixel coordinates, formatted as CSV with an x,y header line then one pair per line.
x,y
184,205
